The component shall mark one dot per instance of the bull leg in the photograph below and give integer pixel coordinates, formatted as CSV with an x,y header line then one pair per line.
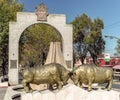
x,y
30,89
26,86
76,82
50,87
80,84
59,85
109,86
89,86
65,82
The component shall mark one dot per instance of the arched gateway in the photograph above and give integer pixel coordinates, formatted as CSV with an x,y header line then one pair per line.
x,y
26,19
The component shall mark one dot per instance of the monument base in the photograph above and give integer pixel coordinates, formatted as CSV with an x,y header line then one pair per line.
x,y
72,92
68,92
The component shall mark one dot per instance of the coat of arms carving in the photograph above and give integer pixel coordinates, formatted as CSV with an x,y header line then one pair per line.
x,y
41,12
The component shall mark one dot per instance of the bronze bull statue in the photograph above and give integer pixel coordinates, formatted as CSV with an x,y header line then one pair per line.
x,y
47,74
88,74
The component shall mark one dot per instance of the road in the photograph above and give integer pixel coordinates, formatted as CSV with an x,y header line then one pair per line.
x,y
116,87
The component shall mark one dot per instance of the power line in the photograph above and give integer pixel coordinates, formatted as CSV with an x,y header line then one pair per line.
x,y
113,25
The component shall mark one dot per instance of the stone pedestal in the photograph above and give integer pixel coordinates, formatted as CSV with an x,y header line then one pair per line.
x,y
72,92
39,87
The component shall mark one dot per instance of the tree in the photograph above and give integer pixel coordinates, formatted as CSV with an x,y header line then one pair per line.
x,y
94,39
8,10
88,37
81,26
34,44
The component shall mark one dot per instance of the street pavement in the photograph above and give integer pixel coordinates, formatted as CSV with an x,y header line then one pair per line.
x,y
2,93
116,85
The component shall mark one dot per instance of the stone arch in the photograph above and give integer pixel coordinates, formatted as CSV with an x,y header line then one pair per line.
x,y
48,25
44,25
24,20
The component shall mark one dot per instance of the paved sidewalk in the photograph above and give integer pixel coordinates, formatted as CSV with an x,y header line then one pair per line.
x,y
2,93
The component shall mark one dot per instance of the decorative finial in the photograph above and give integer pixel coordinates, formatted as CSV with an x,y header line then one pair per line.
x,y
41,12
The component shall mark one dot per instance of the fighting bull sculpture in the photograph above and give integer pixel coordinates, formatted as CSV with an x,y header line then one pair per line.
x,y
47,74
88,74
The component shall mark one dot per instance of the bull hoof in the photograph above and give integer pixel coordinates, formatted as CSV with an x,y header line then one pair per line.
x,y
81,86
108,89
30,91
89,90
26,89
60,87
65,83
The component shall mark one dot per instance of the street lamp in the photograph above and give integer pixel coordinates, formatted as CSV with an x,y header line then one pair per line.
x,y
111,37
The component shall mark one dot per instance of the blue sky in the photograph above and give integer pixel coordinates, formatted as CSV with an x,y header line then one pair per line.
x,y
107,10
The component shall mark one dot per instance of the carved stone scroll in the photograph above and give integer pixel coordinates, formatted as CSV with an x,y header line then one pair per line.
x,y
41,12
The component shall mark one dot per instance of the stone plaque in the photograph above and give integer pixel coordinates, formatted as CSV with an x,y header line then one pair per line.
x,y
41,12
68,64
13,63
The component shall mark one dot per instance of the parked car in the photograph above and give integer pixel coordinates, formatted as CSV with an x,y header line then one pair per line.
x,y
116,70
